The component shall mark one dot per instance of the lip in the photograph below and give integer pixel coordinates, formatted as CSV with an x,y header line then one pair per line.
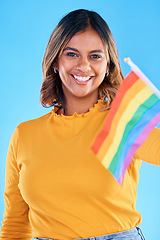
x,y
81,82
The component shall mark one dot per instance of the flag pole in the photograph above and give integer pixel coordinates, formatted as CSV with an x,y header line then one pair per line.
x,y
141,75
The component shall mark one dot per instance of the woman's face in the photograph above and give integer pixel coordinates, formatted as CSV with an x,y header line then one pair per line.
x,y
82,65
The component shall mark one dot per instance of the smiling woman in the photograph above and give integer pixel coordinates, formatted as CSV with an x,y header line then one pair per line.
x,y
83,39
82,67
56,188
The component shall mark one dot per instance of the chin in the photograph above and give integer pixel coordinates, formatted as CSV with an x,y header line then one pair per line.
x,y
81,95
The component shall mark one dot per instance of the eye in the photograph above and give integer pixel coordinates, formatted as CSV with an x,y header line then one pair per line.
x,y
95,56
71,54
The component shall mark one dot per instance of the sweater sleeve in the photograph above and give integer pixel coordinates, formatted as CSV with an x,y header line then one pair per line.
x,y
16,223
150,149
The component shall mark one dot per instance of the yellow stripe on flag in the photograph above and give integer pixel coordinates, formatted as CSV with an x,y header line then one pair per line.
x,y
129,95
132,107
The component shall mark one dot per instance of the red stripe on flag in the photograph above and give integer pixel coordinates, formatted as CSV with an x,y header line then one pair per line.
x,y
129,80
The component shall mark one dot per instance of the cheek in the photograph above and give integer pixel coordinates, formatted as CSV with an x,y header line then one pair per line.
x,y
64,70
65,64
101,68
101,72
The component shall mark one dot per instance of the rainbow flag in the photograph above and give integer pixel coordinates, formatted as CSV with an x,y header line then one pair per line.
x,y
134,112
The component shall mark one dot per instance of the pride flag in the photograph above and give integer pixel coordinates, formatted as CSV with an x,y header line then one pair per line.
x,y
134,112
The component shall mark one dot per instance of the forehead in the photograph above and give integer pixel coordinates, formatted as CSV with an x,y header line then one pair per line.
x,y
88,39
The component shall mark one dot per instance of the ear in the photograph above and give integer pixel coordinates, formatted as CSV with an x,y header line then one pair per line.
x,y
55,65
107,71
107,68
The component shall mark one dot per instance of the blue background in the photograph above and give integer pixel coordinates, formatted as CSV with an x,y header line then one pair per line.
x,y
25,30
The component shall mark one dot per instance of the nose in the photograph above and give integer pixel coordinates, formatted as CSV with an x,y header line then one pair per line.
x,y
84,64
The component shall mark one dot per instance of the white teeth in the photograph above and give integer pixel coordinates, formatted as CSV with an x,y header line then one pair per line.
x,y
82,79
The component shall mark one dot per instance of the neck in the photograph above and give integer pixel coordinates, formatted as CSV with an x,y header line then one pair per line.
x,y
79,105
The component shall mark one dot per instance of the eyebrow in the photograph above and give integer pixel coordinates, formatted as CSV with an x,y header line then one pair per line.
x,y
76,50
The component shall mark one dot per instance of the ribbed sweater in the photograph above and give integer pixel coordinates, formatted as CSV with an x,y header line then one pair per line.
x,y
57,188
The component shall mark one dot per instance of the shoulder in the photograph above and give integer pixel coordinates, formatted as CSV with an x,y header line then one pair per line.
x,y
33,126
149,151
35,122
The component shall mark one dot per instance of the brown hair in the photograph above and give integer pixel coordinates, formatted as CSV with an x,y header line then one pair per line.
x,y
76,21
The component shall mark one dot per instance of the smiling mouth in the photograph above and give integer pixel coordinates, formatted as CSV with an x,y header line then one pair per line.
x,y
81,79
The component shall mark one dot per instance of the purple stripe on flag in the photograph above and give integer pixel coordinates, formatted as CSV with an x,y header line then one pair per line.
x,y
141,138
133,135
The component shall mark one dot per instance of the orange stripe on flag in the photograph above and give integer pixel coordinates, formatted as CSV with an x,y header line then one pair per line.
x,y
137,87
131,80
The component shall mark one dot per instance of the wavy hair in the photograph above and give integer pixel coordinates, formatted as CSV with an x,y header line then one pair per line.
x,y
72,23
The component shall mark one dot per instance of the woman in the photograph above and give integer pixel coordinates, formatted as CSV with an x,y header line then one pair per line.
x,y
55,186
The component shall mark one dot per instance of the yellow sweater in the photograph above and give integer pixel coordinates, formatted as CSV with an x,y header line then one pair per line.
x,y
57,186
